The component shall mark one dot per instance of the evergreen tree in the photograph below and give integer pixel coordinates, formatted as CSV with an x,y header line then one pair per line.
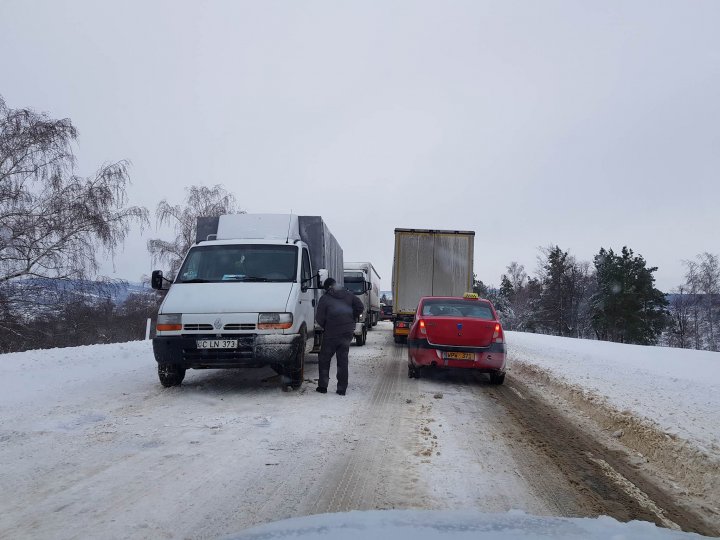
x,y
557,297
506,288
627,308
479,287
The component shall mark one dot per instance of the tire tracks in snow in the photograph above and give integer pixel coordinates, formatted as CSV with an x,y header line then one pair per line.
x,y
355,481
604,481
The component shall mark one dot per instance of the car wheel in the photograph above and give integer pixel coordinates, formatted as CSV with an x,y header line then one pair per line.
x,y
170,374
497,378
413,372
399,340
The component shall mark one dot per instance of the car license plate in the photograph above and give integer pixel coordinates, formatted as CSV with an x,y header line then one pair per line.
x,y
460,355
217,343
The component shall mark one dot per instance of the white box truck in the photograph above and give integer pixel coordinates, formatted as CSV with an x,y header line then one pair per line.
x,y
362,279
428,262
245,296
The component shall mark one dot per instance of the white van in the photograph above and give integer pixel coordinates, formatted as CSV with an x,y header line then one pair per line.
x,y
245,296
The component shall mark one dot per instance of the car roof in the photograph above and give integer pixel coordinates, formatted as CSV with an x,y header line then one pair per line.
x,y
455,298
483,300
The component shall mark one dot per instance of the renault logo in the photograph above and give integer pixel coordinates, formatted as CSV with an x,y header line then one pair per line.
x,y
217,324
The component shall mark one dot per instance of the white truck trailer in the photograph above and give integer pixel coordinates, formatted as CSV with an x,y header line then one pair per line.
x,y
428,262
246,295
362,279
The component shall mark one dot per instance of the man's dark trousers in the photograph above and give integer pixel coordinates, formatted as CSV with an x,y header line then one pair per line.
x,y
340,347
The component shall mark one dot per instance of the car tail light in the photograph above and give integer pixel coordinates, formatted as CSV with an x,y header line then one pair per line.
x,y
498,334
423,330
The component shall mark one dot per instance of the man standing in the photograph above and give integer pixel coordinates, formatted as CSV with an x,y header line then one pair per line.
x,y
337,311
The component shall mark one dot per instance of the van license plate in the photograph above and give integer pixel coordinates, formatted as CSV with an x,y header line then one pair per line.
x,y
217,343
460,355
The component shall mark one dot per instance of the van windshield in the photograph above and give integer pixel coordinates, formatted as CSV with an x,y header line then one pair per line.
x,y
357,287
239,262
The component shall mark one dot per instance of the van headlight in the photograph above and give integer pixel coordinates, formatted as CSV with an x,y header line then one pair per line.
x,y
169,322
275,321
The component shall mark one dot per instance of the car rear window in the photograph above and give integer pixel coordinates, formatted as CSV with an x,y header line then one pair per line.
x,y
457,308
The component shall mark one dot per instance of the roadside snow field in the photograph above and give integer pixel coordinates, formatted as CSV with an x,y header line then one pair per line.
x,y
92,446
677,389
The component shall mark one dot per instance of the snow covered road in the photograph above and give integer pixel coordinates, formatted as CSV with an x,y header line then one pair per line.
x,y
92,446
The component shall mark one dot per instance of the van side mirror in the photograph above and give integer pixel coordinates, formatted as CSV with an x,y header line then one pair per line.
x,y
368,286
156,281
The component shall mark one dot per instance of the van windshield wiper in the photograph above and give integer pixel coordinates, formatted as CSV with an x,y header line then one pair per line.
x,y
254,278
196,280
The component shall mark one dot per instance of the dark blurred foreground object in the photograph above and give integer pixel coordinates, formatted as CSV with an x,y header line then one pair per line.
x,y
426,525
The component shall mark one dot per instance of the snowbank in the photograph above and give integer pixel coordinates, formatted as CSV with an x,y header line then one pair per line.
x,y
677,389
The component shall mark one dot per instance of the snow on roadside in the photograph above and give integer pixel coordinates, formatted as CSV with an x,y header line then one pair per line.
x,y
58,374
677,389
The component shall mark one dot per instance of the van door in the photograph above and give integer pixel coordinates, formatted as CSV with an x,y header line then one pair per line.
x,y
307,297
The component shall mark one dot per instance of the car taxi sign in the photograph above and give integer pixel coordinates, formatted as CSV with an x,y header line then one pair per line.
x,y
471,295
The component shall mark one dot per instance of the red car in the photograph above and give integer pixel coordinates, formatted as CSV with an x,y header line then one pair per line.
x,y
457,332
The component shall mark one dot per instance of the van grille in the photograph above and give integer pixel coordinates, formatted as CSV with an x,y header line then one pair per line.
x,y
239,326
198,327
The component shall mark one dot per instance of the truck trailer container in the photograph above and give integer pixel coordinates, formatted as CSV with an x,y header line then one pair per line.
x,y
428,262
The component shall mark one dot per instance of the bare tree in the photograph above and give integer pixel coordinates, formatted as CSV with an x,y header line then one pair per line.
x,y
517,275
703,283
200,201
53,223
692,286
709,274
680,327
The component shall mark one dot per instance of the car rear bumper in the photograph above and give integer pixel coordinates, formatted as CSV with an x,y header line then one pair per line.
x,y
490,359
251,351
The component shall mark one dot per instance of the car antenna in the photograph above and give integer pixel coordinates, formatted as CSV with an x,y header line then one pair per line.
x,y
287,240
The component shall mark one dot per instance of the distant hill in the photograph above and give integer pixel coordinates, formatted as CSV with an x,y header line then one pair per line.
x,y
49,293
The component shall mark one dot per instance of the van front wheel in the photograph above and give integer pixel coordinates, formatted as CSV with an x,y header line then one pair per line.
x,y
296,371
170,374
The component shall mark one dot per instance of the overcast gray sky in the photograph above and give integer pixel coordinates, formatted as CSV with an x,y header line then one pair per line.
x,y
582,124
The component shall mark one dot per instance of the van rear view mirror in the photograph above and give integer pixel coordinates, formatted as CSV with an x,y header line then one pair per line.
x,y
322,276
156,281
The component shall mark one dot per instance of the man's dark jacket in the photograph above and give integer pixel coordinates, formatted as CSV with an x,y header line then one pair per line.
x,y
337,311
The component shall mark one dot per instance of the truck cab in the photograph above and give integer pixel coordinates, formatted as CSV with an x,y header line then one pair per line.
x,y
363,281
